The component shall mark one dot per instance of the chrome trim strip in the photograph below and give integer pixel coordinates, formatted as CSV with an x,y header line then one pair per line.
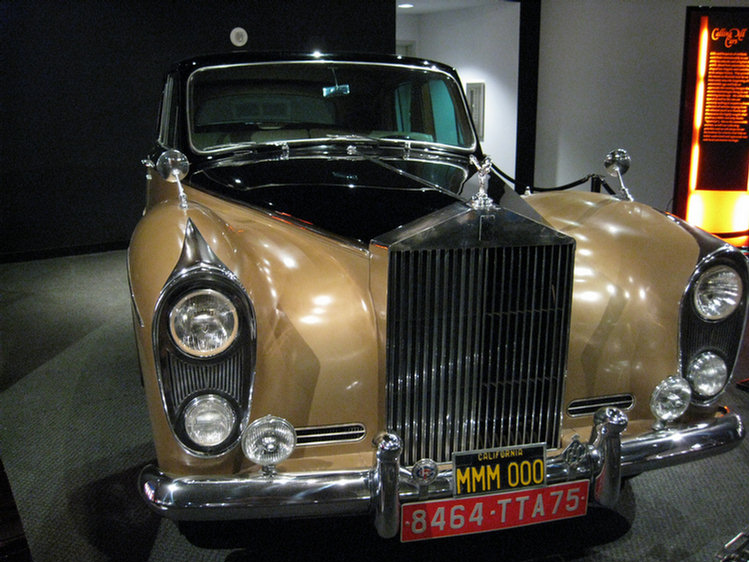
x,y
196,254
589,406
381,488
735,550
330,434
136,311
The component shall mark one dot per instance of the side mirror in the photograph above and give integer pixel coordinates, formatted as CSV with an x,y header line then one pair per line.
x,y
617,163
173,166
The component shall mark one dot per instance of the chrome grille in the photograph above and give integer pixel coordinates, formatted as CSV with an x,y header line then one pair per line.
x,y
477,346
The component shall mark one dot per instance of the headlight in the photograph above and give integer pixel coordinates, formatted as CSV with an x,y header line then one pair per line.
x,y
203,323
717,293
708,374
209,420
670,398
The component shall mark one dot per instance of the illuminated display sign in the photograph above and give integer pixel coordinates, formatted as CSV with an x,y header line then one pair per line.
x,y
712,177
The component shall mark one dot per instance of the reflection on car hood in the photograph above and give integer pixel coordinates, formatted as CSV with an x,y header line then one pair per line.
x,y
354,197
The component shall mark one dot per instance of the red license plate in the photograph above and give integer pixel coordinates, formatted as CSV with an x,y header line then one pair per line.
x,y
477,514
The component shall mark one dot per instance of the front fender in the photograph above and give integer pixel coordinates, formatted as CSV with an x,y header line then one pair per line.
x,y
625,313
154,251
316,334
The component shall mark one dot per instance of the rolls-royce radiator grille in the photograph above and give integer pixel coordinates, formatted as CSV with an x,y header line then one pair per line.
x,y
477,347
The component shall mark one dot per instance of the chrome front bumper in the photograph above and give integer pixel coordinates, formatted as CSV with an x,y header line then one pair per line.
x,y
603,460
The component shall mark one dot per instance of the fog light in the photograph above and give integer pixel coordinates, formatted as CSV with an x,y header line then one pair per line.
x,y
269,441
670,398
708,374
209,420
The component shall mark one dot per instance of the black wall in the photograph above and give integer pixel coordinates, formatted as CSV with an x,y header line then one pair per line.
x,y
80,84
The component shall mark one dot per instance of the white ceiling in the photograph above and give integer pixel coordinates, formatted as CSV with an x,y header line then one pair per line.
x,y
430,6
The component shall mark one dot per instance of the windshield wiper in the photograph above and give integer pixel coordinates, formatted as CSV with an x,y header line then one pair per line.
x,y
222,146
351,137
390,138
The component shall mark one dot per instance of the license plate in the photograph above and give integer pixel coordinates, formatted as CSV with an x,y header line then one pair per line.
x,y
477,514
499,470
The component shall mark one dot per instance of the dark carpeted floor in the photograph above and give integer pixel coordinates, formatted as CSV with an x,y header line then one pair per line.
x,y
74,433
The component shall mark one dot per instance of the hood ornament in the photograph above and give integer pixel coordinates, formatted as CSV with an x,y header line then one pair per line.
x,y
482,200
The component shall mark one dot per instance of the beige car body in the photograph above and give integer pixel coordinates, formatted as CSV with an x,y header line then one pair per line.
x,y
309,289
328,352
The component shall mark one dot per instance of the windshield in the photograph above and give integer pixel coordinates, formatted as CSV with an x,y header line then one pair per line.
x,y
286,102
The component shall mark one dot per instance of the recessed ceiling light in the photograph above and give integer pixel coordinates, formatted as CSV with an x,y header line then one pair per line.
x,y
405,5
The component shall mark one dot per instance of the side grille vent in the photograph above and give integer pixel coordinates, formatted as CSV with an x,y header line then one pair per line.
x,y
330,434
183,377
477,346
589,406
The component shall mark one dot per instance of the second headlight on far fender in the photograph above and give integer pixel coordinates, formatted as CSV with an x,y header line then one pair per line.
x,y
718,293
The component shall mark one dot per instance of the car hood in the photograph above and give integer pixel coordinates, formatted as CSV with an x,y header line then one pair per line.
x,y
357,197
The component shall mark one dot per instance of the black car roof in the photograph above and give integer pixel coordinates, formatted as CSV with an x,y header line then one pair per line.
x,y
238,57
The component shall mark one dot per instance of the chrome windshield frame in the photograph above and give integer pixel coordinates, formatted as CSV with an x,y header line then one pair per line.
x,y
427,66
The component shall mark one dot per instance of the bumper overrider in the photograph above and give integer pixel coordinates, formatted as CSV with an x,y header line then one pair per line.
x,y
603,461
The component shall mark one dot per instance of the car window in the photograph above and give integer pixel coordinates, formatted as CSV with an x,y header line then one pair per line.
x,y
258,107
258,103
445,124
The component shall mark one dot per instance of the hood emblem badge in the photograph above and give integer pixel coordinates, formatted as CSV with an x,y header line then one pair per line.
x,y
482,200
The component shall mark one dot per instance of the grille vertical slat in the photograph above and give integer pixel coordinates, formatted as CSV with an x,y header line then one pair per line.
x,y
559,342
183,378
477,346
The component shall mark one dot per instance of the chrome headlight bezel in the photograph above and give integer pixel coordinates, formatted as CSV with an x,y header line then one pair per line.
x,y
228,370
703,367
717,293
225,412
718,330
205,310
186,373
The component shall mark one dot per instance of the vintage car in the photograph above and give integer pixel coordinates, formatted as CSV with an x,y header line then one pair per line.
x,y
342,307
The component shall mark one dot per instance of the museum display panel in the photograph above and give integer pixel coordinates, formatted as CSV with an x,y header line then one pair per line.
x,y
712,188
